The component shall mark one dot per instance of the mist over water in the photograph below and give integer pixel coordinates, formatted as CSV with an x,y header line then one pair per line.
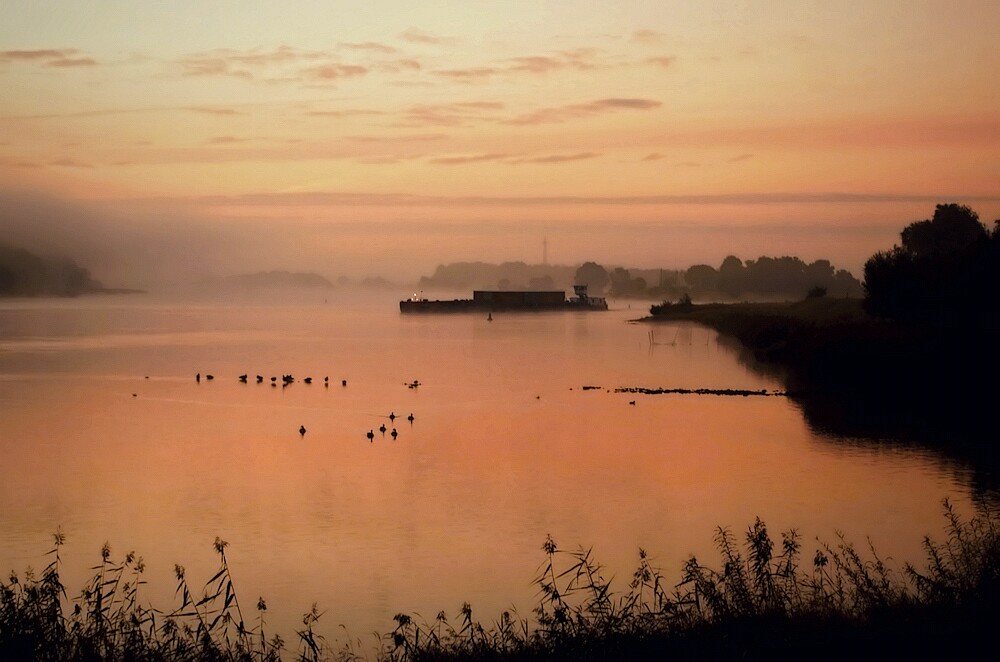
x,y
107,434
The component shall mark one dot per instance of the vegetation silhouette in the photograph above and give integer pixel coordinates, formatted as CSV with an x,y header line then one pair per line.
x,y
764,600
946,272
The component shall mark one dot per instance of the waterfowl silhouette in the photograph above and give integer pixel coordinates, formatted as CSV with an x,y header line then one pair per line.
x,y
197,378
394,433
410,418
308,380
392,416
302,430
381,428
209,376
343,382
371,435
243,378
259,379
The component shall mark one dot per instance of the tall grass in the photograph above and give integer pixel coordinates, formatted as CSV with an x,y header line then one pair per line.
x,y
763,599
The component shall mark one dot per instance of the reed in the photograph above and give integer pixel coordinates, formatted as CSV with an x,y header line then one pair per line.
x,y
762,599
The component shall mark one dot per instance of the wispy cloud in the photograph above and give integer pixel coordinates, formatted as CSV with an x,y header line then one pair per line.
x,y
214,110
228,140
472,158
452,114
49,57
579,60
556,158
349,112
415,36
284,64
646,37
369,46
661,60
740,157
654,156
582,110
421,137
327,72
70,163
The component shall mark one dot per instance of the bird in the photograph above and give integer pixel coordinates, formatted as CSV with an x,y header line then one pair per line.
x,y
209,376
382,428
410,418
302,430
260,378
371,435
308,380
343,382
197,378
243,378
392,416
394,433
631,402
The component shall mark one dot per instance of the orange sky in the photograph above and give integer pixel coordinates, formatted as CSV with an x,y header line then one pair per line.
x,y
636,133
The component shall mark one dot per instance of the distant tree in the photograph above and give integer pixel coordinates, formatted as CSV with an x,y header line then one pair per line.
x,y
594,276
732,276
702,278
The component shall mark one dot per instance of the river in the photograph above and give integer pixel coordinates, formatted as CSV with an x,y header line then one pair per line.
x,y
106,434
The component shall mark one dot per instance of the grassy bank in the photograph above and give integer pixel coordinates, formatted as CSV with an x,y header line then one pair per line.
x,y
765,598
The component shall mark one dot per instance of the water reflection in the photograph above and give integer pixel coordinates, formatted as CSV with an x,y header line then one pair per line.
x,y
505,448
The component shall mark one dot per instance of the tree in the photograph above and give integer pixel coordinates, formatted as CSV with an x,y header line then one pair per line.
x,y
945,273
702,278
594,276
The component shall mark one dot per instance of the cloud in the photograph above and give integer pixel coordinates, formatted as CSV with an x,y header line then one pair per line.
x,y
557,158
416,36
214,110
72,62
334,71
661,61
513,159
41,54
468,75
580,60
398,66
370,46
421,137
654,156
49,57
646,37
70,163
284,64
452,114
227,140
741,157
350,112
582,110
687,164
474,158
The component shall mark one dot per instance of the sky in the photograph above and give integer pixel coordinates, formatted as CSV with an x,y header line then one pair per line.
x,y
174,139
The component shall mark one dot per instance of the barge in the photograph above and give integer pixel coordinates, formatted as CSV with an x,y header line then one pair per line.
x,y
507,300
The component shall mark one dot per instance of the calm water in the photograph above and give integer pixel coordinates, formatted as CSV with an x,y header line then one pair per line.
x,y
105,433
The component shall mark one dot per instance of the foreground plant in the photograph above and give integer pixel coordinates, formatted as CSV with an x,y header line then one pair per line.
x,y
759,603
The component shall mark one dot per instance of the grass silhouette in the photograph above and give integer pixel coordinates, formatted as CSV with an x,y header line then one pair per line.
x,y
763,600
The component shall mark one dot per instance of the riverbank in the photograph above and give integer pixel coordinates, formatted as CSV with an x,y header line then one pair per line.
x,y
857,375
